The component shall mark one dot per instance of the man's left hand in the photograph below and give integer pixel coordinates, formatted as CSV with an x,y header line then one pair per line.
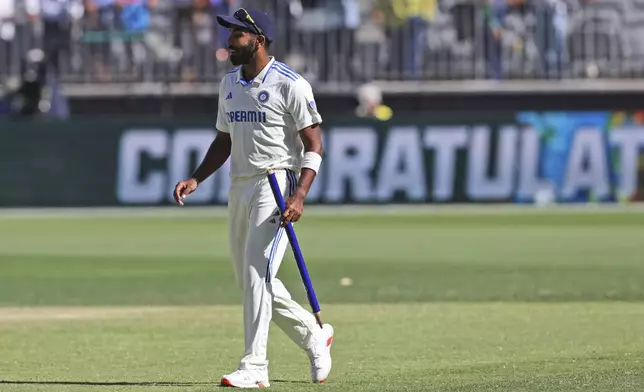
x,y
294,209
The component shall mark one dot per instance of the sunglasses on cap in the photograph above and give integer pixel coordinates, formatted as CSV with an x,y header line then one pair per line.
x,y
243,16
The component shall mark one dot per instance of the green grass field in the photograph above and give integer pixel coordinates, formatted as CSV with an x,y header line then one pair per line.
x,y
457,300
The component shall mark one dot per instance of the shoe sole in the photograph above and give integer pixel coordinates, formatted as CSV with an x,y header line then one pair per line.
x,y
226,383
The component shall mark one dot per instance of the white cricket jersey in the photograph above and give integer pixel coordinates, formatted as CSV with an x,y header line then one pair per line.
x,y
263,117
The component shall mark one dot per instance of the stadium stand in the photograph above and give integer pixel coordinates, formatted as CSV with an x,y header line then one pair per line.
x,y
331,42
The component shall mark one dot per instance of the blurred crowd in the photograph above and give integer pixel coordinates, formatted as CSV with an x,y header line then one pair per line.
x,y
332,42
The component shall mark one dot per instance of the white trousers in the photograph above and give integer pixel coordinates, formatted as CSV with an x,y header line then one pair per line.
x,y
257,246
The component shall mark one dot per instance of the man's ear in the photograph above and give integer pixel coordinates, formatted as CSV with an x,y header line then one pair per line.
x,y
261,41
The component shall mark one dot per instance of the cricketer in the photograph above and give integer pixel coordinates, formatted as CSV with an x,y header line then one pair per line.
x,y
266,120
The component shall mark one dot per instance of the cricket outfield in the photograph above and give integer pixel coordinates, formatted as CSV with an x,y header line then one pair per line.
x,y
442,299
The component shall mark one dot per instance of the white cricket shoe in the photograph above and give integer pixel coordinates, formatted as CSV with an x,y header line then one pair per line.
x,y
246,378
320,353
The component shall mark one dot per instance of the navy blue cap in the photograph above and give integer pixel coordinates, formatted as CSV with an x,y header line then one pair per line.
x,y
260,18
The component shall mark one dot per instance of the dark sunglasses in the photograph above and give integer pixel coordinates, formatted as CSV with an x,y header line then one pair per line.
x,y
243,16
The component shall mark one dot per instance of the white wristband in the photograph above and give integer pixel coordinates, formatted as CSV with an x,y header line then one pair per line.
x,y
312,160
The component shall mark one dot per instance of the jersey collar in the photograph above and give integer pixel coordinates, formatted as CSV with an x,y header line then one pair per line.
x,y
261,76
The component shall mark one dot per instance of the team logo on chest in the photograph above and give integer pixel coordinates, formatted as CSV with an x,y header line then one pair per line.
x,y
263,96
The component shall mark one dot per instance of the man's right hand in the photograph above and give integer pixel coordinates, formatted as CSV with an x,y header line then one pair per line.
x,y
183,189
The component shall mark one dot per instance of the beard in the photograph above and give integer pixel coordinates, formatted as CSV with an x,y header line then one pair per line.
x,y
242,55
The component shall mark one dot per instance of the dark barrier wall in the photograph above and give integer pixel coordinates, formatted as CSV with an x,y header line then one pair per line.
x,y
171,106
435,158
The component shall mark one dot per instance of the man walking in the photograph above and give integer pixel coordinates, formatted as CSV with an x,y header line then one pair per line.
x,y
267,119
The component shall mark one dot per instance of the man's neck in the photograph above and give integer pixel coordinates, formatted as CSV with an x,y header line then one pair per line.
x,y
251,70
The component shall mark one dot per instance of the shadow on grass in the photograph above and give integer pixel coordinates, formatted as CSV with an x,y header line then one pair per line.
x,y
275,382
290,382
110,384
137,384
